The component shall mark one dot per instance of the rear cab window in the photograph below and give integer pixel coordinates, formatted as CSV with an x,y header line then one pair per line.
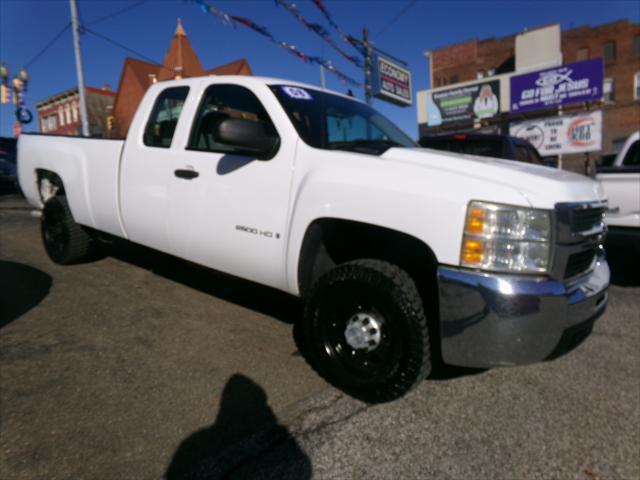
x,y
164,117
483,147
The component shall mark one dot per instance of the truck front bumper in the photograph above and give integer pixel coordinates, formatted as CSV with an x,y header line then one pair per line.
x,y
489,320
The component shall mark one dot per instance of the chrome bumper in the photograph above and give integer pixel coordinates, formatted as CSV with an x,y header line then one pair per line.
x,y
490,320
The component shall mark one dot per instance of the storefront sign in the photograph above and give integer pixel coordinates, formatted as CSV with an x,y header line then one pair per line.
x,y
477,101
561,135
572,83
391,81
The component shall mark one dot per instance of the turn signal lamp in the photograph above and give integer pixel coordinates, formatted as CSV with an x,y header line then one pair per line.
x,y
472,251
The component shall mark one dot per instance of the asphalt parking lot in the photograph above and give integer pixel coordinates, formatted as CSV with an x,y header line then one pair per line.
x,y
140,366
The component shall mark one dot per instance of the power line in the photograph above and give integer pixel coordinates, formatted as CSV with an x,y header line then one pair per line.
x,y
116,13
48,45
124,47
397,17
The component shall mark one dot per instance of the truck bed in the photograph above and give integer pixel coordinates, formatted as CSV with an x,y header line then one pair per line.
x,y
84,165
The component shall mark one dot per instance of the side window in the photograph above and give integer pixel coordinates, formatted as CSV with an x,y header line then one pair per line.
x,y
219,103
632,158
164,117
534,156
522,154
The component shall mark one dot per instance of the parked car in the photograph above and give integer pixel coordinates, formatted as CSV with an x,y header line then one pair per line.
x,y
485,145
621,183
8,170
393,248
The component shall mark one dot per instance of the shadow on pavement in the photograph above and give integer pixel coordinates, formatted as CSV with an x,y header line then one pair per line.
x,y
231,448
21,288
624,262
265,300
441,371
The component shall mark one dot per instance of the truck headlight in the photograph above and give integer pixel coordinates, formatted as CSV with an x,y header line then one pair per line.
x,y
506,238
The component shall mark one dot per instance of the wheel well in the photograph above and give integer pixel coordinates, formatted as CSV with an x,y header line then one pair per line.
x,y
49,184
329,242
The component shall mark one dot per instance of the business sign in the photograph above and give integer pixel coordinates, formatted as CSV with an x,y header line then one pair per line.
x,y
572,83
391,81
471,102
561,135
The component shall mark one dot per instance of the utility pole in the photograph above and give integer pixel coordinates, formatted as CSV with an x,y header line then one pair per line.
x,y
76,45
322,76
368,67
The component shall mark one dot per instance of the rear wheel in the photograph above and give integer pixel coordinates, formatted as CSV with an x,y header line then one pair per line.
x,y
65,241
365,330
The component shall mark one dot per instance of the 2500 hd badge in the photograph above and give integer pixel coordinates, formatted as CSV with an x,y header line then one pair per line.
x,y
255,231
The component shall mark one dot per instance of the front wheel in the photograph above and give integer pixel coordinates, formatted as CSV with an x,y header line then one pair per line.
x,y
365,330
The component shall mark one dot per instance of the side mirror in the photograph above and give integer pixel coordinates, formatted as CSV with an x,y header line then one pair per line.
x,y
247,136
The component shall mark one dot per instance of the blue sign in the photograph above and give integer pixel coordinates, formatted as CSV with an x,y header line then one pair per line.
x,y
391,81
572,83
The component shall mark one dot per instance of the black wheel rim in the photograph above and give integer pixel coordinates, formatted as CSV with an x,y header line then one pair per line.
x,y
54,233
362,366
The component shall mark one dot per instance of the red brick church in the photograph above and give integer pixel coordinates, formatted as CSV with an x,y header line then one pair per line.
x,y
180,61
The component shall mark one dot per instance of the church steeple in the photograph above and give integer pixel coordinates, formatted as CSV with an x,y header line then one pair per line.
x,y
179,29
181,60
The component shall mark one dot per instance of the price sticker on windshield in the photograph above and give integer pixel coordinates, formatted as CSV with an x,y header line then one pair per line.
x,y
297,93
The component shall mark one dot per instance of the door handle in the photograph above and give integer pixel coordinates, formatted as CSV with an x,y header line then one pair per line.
x,y
186,174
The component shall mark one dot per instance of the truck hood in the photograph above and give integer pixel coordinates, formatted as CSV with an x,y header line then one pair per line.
x,y
543,187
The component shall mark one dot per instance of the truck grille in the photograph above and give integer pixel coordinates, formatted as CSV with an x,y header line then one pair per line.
x,y
586,219
579,232
579,262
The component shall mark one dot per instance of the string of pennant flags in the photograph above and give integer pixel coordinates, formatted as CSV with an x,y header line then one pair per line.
x,y
318,30
233,20
354,42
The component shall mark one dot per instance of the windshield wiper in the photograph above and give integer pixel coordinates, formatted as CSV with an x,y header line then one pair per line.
x,y
378,146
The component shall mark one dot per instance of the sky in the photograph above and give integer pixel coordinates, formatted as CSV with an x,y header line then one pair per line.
x,y
404,28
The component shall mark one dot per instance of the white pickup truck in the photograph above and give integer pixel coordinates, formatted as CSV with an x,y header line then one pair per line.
x,y
621,183
403,255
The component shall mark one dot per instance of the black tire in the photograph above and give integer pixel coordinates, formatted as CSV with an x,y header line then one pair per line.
x,y
359,295
65,241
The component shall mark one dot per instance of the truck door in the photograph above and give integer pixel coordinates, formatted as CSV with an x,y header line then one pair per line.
x,y
150,165
237,207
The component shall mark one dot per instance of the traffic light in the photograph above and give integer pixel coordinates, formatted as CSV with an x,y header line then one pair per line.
x,y
4,94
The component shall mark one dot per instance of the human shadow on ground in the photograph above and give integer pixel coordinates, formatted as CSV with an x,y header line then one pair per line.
x,y
21,288
268,301
245,441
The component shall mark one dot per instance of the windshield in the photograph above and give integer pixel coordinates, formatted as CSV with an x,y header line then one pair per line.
x,y
331,122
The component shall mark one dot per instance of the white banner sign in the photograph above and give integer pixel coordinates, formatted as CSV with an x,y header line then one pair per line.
x,y
560,135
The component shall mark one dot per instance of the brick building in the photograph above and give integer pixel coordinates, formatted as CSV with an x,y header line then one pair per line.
x,y
617,43
110,113
60,113
180,61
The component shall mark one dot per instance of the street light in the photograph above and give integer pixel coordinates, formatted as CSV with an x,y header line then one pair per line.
x,y
429,55
23,75
4,73
4,84
19,86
